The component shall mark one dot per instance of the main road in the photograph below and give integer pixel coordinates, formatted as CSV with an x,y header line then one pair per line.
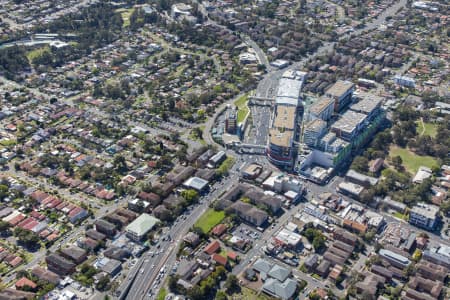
x,y
143,278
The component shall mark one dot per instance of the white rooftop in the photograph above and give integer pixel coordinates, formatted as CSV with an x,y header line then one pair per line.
x,y
142,224
196,183
422,174
426,210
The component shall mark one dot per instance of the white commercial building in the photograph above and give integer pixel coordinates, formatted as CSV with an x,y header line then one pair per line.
x,y
313,132
404,81
288,238
424,215
137,229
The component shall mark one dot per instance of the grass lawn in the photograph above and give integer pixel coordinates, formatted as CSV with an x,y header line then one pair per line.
x,y
412,161
125,13
209,219
8,143
248,294
37,52
223,252
429,129
316,276
162,294
241,104
400,216
4,268
225,166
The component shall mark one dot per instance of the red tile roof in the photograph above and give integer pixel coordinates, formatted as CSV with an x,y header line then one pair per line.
x,y
37,215
76,210
52,237
24,222
361,228
44,233
61,205
22,282
219,229
54,203
15,262
16,220
232,255
219,259
152,164
212,247
31,225
48,200
39,196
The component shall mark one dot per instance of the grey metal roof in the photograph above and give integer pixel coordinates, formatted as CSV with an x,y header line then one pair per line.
x,y
262,265
279,273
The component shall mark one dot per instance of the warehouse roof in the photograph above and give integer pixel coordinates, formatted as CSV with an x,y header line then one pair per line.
x,y
196,183
142,224
290,89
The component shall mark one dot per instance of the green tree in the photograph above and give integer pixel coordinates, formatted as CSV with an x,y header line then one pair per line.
x,y
172,283
195,293
98,91
113,91
316,238
231,284
103,283
417,255
26,237
136,19
395,291
191,196
397,162
220,295
314,296
140,206
369,235
445,207
4,226
13,60
219,272
3,191
88,270
310,233
318,243
360,164
146,187
120,164
44,58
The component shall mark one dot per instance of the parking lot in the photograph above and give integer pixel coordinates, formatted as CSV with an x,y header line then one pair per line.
x,y
260,126
246,232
